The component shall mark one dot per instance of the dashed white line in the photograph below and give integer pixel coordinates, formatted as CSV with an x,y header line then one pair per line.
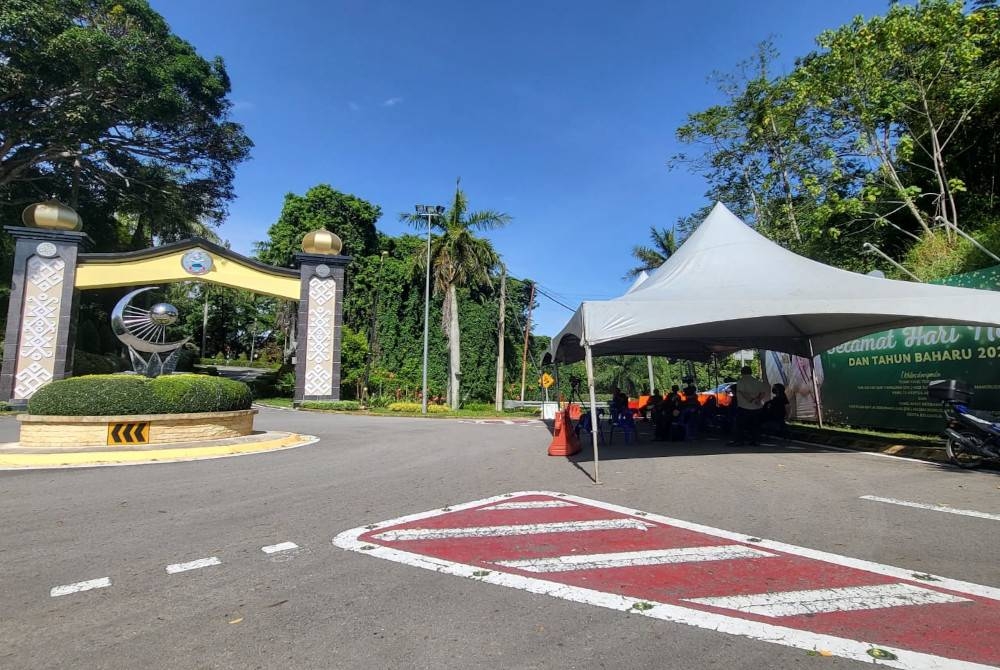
x,y
635,558
501,531
174,568
77,587
531,504
935,508
274,548
820,601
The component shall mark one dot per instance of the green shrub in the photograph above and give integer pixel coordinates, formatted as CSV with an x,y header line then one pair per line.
x,y
104,395
338,405
86,363
479,406
284,387
186,359
415,408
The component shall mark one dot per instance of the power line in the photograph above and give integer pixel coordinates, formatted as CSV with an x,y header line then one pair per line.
x,y
561,304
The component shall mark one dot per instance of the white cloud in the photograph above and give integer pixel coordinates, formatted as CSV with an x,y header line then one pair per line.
x,y
391,102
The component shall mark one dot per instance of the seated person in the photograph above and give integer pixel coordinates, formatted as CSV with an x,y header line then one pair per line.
x,y
775,412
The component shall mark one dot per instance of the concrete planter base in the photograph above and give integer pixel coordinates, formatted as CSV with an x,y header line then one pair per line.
x,y
95,431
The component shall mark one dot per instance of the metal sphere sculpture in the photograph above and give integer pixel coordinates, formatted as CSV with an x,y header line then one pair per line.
x,y
145,330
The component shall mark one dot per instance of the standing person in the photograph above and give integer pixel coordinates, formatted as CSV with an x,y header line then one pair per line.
x,y
776,411
750,394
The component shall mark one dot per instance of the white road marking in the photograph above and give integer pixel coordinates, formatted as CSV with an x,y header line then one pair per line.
x,y
532,504
192,565
274,548
501,531
635,558
67,589
789,637
820,601
935,508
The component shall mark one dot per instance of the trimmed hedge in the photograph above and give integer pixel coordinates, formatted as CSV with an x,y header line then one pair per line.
x,y
337,405
415,407
105,395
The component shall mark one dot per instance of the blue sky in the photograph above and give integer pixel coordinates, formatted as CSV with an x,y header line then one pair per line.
x,y
560,113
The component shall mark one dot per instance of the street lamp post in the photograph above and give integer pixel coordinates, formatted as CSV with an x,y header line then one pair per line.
x,y
430,211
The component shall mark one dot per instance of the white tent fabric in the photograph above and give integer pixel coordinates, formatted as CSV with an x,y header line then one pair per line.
x,y
729,288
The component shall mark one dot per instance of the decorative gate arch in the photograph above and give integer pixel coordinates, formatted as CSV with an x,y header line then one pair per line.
x,y
50,270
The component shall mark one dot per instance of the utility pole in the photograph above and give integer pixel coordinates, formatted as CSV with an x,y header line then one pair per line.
x,y
527,332
500,338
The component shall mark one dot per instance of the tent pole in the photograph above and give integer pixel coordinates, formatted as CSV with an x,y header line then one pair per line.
x,y
652,382
558,392
595,424
812,373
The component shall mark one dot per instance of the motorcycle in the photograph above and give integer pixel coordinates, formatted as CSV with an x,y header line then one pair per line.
x,y
970,440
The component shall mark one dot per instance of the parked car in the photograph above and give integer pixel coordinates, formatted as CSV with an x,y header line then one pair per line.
x,y
723,394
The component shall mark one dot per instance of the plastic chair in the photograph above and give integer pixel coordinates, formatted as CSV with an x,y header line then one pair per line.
x,y
625,420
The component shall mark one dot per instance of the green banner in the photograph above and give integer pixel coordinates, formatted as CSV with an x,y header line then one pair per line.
x,y
880,380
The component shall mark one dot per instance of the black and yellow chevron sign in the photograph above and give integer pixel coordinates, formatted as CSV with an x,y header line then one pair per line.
x,y
132,432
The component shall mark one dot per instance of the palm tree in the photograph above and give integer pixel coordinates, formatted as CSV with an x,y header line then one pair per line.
x,y
458,259
650,258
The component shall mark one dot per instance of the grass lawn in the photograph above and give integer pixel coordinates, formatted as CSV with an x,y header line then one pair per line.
x,y
275,402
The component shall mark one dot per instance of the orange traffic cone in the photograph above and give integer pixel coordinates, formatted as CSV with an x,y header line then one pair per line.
x,y
564,440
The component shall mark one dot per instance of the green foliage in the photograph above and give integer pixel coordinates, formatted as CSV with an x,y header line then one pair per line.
x,y
102,89
335,406
415,407
285,385
459,259
86,363
105,395
650,258
353,354
350,217
884,131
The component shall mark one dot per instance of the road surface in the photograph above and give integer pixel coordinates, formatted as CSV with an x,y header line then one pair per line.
x,y
231,563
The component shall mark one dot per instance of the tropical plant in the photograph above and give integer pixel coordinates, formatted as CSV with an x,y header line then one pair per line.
x,y
652,257
458,259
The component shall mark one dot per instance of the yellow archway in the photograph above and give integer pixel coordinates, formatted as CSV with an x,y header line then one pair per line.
x,y
166,264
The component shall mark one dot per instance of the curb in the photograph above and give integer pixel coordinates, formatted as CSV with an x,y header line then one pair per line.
x,y
87,459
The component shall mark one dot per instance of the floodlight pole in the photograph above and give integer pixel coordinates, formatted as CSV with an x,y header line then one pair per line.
x,y
430,211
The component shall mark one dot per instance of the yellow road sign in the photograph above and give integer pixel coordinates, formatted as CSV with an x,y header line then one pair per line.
x,y
546,380
131,432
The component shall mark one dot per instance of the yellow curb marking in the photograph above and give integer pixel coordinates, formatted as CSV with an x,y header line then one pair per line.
x,y
182,453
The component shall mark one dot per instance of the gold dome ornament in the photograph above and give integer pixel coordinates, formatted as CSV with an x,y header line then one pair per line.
x,y
51,215
322,242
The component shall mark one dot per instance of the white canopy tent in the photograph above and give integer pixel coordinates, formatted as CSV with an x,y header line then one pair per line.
x,y
729,288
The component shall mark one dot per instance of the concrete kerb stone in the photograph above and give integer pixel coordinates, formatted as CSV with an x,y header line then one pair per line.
x,y
15,457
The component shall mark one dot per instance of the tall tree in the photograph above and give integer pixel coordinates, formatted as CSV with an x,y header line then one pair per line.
x,y
100,95
651,257
904,85
348,216
458,259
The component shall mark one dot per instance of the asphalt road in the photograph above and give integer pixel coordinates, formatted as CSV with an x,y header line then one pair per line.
x,y
322,607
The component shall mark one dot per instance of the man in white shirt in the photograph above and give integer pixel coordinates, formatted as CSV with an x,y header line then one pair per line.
x,y
750,395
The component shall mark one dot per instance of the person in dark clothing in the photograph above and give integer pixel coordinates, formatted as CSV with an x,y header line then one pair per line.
x,y
776,412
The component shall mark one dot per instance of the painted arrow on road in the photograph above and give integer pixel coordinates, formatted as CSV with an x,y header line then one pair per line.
x,y
588,551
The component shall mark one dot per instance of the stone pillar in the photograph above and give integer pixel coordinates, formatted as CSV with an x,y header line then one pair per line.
x,y
39,341
321,312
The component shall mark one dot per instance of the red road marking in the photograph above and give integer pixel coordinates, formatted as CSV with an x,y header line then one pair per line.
x,y
957,621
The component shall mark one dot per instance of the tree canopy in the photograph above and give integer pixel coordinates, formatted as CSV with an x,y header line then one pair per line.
x,y
348,216
99,97
881,135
